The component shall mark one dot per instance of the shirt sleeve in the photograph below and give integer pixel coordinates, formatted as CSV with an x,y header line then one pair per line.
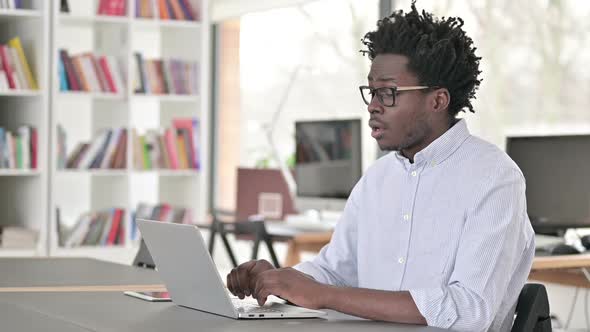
x,y
493,247
336,263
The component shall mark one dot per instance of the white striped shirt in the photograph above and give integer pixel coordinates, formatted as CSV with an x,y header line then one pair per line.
x,y
450,228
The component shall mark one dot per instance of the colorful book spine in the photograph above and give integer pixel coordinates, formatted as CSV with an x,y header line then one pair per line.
x,y
177,10
7,66
169,9
186,124
17,45
108,75
73,80
34,148
171,149
63,80
187,10
163,9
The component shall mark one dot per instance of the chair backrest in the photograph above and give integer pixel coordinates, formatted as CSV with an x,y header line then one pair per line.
x,y
252,184
532,310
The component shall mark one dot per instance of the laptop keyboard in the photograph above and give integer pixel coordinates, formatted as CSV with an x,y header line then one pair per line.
x,y
246,306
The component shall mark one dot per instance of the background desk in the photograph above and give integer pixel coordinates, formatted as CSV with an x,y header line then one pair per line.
x,y
298,240
563,270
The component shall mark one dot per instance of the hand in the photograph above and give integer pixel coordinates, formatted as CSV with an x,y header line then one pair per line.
x,y
291,285
242,279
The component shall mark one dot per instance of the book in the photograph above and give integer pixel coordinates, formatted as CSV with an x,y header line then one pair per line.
x,y
163,9
119,159
80,74
111,149
3,79
183,160
99,155
100,74
10,150
34,148
73,80
111,7
116,72
95,230
93,149
18,237
108,76
7,66
30,78
64,7
169,10
140,74
106,229
188,126
63,80
77,234
116,226
62,156
20,75
25,147
147,164
177,9
89,73
171,148
187,9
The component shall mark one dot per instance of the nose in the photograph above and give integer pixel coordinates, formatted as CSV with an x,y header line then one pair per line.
x,y
375,106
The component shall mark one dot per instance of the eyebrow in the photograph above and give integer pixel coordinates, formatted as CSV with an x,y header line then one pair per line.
x,y
382,79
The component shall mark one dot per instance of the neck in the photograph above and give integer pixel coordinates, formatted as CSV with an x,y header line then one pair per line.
x,y
437,132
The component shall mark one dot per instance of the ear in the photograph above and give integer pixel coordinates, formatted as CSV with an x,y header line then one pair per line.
x,y
441,98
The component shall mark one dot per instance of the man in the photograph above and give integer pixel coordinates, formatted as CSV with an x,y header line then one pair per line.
x,y
435,233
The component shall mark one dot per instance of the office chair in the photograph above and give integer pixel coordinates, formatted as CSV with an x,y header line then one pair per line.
x,y
532,310
223,223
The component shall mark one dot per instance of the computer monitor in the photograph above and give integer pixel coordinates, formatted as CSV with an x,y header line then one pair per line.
x,y
327,163
557,173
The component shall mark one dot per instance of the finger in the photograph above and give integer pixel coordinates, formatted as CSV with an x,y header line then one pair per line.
x,y
238,291
263,296
264,283
228,283
259,282
243,276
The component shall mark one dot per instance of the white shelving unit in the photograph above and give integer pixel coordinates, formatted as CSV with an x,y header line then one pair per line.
x,y
83,114
24,200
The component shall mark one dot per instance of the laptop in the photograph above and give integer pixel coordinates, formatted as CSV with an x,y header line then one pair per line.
x,y
185,266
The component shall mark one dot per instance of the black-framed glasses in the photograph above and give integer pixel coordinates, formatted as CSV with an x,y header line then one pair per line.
x,y
386,95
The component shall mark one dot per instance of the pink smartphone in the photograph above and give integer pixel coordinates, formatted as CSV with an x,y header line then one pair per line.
x,y
150,296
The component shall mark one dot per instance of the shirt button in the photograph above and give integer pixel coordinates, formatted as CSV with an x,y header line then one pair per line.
x,y
414,173
401,260
406,217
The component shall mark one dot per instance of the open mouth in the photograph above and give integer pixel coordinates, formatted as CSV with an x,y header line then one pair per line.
x,y
376,129
376,132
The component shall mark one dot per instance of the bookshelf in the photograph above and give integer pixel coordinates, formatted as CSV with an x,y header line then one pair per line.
x,y
84,114
24,201
19,15
21,93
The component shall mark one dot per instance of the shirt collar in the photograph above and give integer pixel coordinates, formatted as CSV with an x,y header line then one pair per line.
x,y
443,147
